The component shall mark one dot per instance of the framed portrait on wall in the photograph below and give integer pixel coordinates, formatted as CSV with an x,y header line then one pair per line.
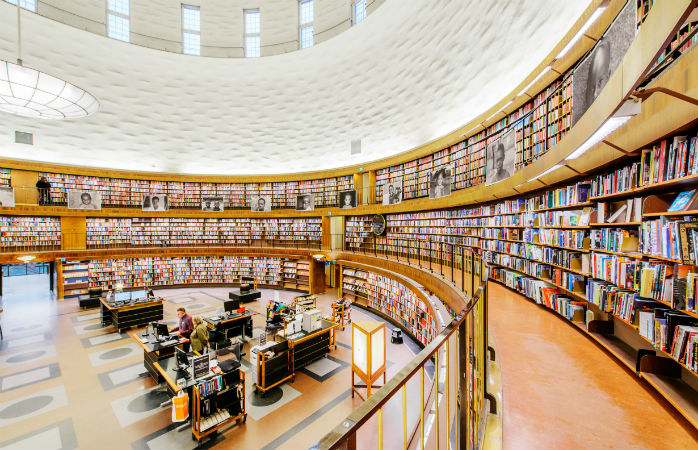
x,y
440,181
501,155
88,200
7,197
260,203
155,202
392,193
347,199
305,202
212,204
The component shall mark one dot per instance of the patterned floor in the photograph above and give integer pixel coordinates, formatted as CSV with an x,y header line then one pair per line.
x,y
67,383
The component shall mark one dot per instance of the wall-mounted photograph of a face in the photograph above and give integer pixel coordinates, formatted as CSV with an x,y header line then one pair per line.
x,y
88,200
305,202
392,193
260,203
347,199
156,202
501,155
440,181
212,204
7,197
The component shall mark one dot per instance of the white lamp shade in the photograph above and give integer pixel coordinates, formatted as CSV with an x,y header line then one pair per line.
x,y
30,93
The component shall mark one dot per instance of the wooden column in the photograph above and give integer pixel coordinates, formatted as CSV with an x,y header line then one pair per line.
x,y
326,233
24,182
59,279
73,233
371,186
317,277
359,186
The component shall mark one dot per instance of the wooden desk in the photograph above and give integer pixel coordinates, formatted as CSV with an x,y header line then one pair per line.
x,y
303,348
307,347
154,352
131,315
240,325
246,297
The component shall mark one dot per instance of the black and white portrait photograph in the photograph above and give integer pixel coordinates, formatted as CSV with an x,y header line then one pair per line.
x,y
260,203
212,204
7,197
501,155
305,202
156,202
347,199
91,200
440,181
392,193
593,73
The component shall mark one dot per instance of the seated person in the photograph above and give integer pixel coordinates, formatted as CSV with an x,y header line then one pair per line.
x,y
199,336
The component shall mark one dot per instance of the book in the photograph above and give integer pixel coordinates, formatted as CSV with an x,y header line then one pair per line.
x,y
683,201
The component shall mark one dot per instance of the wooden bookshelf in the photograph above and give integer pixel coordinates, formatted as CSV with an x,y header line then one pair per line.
x,y
179,271
5,176
172,231
30,232
391,298
122,192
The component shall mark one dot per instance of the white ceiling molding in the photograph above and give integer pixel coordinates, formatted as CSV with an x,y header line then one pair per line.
x,y
406,76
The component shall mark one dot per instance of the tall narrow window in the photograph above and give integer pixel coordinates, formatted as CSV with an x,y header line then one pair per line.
x,y
305,23
358,11
252,33
29,5
191,30
119,20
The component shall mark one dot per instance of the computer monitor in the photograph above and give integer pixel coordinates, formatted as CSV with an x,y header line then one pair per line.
x,y
161,330
137,295
122,296
182,359
231,305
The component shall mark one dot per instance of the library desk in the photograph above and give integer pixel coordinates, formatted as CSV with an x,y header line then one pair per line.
x,y
307,347
154,352
302,349
132,315
232,324
246,297
169,372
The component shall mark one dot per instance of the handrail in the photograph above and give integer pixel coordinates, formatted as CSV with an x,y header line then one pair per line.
x,y
363,413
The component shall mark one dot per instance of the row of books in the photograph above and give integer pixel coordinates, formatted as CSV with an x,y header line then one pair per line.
x,y
134,272
393,299
29,231
128,192
174,231
5,176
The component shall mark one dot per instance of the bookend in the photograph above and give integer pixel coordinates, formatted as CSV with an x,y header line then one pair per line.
x,y
648,361
600,326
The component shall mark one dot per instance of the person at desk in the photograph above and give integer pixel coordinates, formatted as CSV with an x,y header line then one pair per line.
x,y
186,326
199,337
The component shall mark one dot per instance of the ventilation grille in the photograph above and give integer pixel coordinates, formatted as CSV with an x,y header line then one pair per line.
x,y
22,137
356,147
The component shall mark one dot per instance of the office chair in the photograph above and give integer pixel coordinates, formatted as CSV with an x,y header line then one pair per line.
x,y
274,325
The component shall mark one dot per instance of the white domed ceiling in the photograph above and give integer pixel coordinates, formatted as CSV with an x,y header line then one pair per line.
x,y
410,73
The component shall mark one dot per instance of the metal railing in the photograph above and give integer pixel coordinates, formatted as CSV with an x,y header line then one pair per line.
x,y
445,259
12,270
438,400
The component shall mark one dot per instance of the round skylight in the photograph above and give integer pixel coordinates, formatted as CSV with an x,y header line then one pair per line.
x,y
30,93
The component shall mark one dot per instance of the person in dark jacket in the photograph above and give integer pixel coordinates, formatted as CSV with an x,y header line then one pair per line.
x,y
186,326
44,188
199,337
